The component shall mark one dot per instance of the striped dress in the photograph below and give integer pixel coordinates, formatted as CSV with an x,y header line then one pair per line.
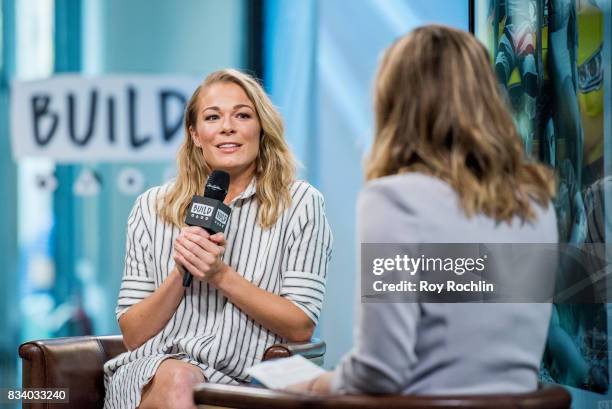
x,y
290,259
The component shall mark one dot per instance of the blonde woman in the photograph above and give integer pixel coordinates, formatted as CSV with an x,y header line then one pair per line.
x,y
447,166
260,283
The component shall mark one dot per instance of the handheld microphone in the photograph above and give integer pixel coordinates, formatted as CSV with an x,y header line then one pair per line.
x,y
208,211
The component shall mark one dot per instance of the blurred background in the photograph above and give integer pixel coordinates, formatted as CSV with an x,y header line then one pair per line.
x,y
63,223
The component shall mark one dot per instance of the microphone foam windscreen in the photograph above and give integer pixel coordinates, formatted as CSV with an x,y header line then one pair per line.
x,y
217,185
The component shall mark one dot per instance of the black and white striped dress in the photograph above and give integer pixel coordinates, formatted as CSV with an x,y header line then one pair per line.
x,y
289,259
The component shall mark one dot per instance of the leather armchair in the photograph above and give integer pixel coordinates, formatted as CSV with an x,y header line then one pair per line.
x,y
77,363
243,397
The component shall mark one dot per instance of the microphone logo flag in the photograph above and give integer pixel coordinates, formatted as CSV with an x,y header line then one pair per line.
x,y
221,216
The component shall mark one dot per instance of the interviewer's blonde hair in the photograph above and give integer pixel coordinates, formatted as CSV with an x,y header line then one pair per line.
x,y
439,110
275,165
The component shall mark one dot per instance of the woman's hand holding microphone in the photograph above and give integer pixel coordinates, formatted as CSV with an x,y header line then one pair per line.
x,y
201,254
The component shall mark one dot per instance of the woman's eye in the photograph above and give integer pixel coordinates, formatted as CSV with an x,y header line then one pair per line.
x,y
243,115
212,117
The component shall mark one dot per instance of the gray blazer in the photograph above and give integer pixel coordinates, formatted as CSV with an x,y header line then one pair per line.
x,y
435,348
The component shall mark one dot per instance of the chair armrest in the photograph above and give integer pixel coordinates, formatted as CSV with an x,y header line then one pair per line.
x,y
246,397
75,363
240,397
313,350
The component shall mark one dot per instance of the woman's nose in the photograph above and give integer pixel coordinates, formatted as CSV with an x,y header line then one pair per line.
x,y
227,125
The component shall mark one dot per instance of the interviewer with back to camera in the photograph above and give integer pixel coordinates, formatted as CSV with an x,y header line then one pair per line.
x,y
259,284
447,166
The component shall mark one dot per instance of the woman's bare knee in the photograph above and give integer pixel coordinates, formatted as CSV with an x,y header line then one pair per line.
x,y
172,386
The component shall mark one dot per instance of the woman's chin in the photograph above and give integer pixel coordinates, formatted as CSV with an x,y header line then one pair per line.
x,y
234,169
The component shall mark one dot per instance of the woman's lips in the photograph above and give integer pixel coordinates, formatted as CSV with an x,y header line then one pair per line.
x,y
228,147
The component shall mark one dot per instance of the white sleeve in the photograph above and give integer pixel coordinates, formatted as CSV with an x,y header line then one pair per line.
x,y
307,254
138,281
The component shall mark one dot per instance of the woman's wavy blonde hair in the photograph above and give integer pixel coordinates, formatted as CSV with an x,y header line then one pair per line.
x,y
275,165
439,110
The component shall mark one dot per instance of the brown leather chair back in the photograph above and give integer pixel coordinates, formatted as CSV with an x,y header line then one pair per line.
x,y
74,362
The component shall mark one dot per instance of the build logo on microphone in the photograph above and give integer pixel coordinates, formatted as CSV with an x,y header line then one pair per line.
x,y
202,209
221,216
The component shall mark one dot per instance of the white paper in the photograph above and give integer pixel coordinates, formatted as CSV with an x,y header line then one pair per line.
x,y
280,373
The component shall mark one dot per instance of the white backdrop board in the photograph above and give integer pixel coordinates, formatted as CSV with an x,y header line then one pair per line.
x,y
71,118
